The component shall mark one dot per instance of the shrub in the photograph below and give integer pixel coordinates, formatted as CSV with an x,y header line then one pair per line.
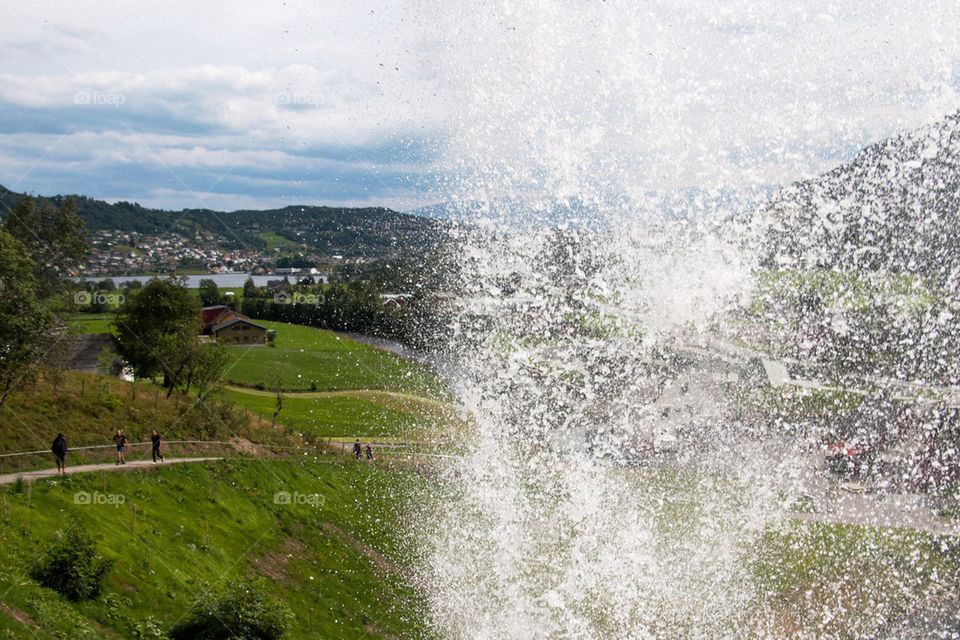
x,y
19,485
72,566
239,612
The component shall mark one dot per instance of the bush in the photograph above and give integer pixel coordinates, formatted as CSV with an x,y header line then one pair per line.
x,y
239,612
72,567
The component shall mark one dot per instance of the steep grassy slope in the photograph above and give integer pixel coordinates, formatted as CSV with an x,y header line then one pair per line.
x,y
334,555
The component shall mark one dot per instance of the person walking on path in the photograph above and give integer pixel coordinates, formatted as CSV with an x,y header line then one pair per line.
x,y
121,441
59,449
356,449
155,439
369,452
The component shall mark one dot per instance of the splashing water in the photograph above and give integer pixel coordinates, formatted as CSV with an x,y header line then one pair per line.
x,y
618,478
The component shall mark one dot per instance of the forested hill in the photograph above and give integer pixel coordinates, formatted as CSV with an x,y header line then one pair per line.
x,y
370,232
894,207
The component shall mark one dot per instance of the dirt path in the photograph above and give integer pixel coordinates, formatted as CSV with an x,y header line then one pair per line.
x,y
9,478
373,395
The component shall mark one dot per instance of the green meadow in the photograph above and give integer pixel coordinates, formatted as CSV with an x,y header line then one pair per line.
x,y
334,553
311,359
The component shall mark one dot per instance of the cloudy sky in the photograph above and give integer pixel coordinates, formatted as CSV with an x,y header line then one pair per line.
x,y
404,103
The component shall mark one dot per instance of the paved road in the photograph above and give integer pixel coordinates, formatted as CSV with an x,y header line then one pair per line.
x,y
9,478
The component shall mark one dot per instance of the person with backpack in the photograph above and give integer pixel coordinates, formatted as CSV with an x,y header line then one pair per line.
x,y
59,449
121,441
156,441
369,451
357,450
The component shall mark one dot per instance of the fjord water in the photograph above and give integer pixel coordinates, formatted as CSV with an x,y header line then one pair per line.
x,y
610,484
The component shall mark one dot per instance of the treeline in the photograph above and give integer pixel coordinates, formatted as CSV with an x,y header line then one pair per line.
x,y
357,307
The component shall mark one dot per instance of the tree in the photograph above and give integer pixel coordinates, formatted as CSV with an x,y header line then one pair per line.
x,y
207,369
24,321
209,293
54,237
158,331
249,288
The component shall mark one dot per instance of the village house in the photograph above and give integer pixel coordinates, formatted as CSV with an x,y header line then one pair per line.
x,y
227,326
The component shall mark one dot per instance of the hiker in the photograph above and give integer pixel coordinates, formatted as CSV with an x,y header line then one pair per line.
x,y
369,452
155,439
356,449
59,449
121,441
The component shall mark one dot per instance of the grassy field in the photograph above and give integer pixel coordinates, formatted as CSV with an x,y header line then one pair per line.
x,y
359,414
841,581
275,241
362,391
308,359
335,557
89,322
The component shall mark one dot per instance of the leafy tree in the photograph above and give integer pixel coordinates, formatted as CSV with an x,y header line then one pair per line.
x,y
207,370
249,288
55,238
209,293
24,321
240,612
72,567
158,331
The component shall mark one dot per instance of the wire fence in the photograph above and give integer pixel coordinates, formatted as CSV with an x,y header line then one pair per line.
x,y
19,460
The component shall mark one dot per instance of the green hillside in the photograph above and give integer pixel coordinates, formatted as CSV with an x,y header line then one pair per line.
x,y
334,555
371,232
88,409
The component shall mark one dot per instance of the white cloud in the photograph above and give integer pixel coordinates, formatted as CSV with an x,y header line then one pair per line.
x,y
590,99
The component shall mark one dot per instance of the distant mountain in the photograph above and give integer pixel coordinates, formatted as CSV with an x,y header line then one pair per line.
x,y
372,232
894,207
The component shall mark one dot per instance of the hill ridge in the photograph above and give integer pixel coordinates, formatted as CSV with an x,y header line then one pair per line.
x,y
895,207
